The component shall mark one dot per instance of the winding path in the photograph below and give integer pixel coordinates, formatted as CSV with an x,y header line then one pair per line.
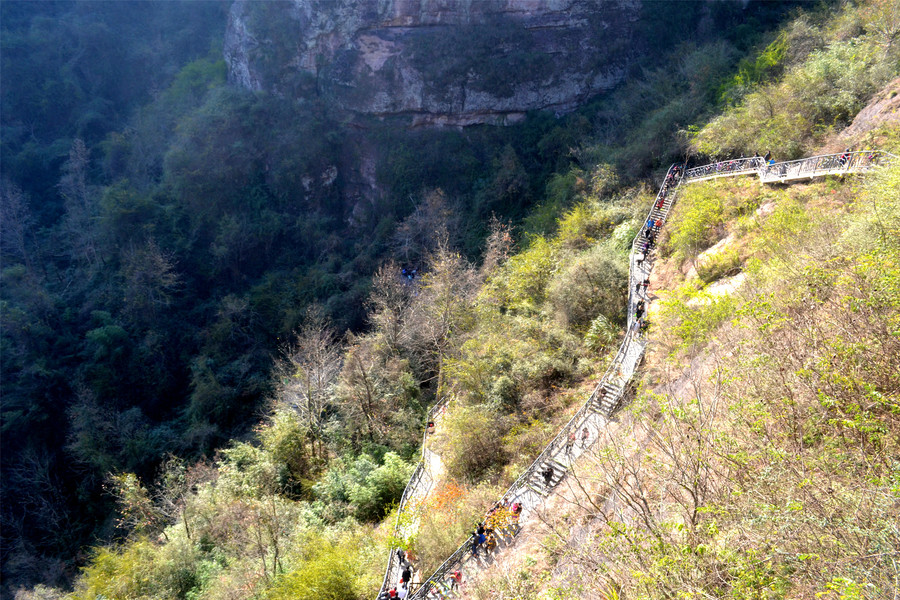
x,y
584,428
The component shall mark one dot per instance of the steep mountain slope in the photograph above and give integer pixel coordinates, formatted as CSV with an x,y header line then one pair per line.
x,y
758,458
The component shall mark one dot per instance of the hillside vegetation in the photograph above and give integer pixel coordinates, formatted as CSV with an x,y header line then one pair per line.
x,y
758,459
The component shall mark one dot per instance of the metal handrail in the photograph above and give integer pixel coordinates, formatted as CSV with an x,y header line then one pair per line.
x,y
824,164
562,436
725,168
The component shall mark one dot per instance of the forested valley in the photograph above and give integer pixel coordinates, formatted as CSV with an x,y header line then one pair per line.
x,y
216,367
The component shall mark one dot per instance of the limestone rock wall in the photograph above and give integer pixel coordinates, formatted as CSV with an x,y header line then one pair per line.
x,y
451,62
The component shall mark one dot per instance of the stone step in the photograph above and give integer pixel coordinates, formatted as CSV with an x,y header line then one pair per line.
x,y
611,397
538,488
557,466
538,481
609,400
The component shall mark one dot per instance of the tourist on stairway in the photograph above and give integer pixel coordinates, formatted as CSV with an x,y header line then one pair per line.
x,y
455,578
548,476
477,539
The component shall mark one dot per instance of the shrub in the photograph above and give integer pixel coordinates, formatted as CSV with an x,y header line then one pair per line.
x,y
721,264
140,569
327,571
363,488
589,222
471,442
692,315
601,334
592,284
524,279
697,223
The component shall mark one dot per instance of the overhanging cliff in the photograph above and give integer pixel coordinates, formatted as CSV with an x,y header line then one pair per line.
x,y
453,62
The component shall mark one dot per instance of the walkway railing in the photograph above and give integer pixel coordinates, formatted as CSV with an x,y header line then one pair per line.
x,y
805,168
817,166
561,453
522,488
725,168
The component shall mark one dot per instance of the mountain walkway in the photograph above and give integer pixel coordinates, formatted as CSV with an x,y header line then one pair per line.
x,y
577,436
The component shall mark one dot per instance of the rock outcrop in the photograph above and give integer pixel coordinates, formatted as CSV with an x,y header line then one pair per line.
x,y
451,62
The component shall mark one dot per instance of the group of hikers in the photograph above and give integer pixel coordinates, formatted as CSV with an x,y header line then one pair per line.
x,y
401,590
757,161
654,223
570,442
844,160
503,518
865,157
648,240
651,229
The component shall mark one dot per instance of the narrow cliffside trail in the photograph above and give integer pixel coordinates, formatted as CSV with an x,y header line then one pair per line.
x,y
593,421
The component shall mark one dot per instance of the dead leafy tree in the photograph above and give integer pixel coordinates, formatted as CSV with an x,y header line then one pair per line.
x,y
15,222
307,372
176,488
432,223
684,440
498,246
377,395
268,531
388,304
80,202
136,507
38,489
441,312
884,22
150,510
151,280
358,391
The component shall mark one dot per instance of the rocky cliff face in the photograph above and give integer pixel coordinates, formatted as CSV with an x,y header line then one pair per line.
x,y
450,62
